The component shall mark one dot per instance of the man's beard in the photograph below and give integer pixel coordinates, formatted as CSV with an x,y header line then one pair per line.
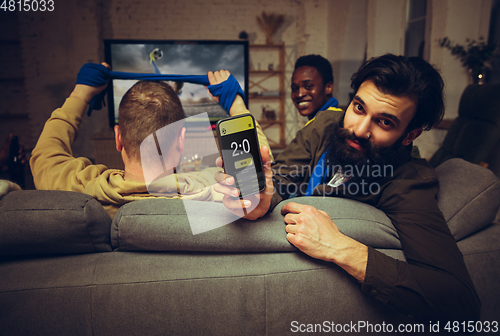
x,y
366,165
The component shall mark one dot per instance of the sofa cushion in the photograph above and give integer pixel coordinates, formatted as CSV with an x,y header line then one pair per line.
x,y
35,222
163,225
469,196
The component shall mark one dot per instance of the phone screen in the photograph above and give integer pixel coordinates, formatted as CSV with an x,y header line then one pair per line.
x,y
240,153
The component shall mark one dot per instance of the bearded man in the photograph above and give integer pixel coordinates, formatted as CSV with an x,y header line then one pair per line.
x,y
364,154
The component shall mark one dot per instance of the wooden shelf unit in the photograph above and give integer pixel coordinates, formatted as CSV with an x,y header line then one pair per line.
x,y
259,92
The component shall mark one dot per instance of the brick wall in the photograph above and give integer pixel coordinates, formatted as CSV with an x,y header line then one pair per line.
x,y
53,45
50,47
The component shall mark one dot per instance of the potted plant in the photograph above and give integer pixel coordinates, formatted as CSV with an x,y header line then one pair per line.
x,y
476,56
270,24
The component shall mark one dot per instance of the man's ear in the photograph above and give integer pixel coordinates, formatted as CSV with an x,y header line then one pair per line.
x,y
412,135
180,140
329,88
118,138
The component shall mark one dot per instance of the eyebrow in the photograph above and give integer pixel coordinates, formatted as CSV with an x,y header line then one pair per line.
x,y
305,81
394,118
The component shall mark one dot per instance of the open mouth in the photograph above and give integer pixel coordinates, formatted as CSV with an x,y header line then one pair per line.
x,y
303,104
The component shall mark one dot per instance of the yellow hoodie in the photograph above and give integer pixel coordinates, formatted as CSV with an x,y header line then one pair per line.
x,y
54,167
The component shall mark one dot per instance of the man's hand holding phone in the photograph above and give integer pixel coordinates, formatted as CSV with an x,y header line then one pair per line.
x,y
258,203
248,206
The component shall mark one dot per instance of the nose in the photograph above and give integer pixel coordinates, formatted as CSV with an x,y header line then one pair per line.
x,y
301,92
363,128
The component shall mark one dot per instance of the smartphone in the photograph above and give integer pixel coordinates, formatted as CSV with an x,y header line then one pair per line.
x,y
240,152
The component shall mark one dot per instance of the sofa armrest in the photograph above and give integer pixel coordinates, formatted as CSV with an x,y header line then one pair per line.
x,y
41,222
469,196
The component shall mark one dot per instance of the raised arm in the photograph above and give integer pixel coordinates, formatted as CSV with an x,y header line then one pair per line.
x,y
52,163
238,107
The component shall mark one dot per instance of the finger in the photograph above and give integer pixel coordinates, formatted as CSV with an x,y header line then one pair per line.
x,y
106,65
222,178
211,77
219,176
224,74
291,228
292,207
224,185
291,218
218,77
212,81
324,213
268,173
226,190
266,157
218,162
236,205
221,75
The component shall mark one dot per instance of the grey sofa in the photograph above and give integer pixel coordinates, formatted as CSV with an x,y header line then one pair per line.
x,y
67,269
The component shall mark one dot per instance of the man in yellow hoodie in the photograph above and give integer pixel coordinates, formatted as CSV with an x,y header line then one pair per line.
x,y
146,107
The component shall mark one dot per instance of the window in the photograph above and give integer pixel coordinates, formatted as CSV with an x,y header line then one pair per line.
x,y
416,28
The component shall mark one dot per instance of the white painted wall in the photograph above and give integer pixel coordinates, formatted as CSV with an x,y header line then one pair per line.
x,y
346,42
386,27
458,20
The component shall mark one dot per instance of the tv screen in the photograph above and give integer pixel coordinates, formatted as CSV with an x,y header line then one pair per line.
x,y
179,58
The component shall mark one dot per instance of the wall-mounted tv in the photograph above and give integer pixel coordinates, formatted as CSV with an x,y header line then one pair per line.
x,y
179,58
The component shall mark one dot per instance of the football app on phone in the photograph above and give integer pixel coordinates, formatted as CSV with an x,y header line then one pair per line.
x,y
240,153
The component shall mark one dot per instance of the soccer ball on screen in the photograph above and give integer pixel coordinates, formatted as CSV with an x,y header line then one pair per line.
x,y
157,53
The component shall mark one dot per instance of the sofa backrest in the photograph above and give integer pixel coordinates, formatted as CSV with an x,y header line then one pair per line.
x,y
476,131
163,225
469,198
60,222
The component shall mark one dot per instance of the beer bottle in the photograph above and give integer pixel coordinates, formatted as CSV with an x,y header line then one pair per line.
x,y
16,167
